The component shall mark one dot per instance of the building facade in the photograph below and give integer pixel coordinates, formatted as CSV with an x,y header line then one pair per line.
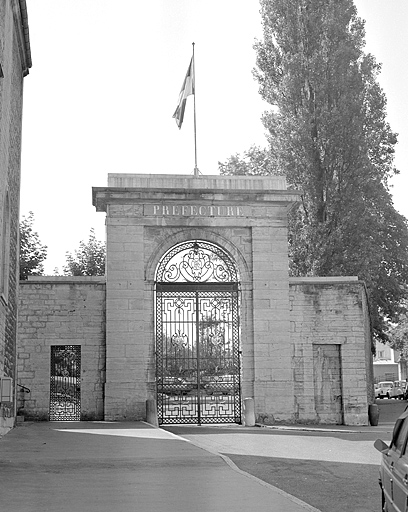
x,y
388,364
196,315
15,61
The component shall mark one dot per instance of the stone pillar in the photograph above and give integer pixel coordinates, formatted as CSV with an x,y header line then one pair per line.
x,y
128,310
272,347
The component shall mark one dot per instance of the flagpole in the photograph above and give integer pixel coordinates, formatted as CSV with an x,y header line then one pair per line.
x,y
196,171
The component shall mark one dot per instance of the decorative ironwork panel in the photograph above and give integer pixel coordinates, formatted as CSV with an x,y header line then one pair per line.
x,y
198,358
65,383
196,262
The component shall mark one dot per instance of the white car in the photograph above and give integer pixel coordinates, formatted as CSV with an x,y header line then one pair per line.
x,y
397,390
384,389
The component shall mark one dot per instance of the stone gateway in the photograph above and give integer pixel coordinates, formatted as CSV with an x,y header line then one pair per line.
x,y
200,314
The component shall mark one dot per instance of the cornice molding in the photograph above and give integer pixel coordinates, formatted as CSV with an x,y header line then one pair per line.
x,y
23,36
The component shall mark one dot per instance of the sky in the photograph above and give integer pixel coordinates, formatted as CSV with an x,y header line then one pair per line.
x,y
104,85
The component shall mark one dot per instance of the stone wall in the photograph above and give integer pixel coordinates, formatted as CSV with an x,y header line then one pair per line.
x,y
61,311
331,312
328,378
15,59
146,216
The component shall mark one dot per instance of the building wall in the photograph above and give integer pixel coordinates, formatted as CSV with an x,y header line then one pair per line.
x,y
323,313
61,311
387,364
327,312
15,59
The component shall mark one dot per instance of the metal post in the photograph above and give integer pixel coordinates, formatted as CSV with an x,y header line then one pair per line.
x,y
198,359
196,171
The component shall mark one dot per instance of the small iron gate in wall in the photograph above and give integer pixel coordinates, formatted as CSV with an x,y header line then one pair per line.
x,y
65,383
197,336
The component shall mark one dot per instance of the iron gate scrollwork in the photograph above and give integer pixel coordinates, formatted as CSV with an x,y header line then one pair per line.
x,y
197,336
65,383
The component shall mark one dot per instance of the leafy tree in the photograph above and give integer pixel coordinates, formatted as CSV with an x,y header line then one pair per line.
x,y
254,162
88,260
32,252
328,134
398,335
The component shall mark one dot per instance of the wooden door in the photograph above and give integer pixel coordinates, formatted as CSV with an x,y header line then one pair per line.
x,y
327,383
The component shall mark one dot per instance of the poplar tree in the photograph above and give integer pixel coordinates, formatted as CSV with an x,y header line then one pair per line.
x,y
328,134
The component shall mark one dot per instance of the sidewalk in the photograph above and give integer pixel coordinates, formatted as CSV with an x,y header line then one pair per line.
x,y
124,467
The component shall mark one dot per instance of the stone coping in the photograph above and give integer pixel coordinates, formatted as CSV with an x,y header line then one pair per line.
x,y
182,181
64,279
324,280
102,279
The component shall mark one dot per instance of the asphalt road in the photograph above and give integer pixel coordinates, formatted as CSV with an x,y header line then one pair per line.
x,y
327,485
122,467
332,471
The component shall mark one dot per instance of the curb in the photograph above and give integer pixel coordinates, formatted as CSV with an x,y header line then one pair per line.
x,y
385,428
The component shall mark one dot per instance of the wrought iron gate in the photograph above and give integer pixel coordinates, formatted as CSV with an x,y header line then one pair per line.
x,y
197,336
65,383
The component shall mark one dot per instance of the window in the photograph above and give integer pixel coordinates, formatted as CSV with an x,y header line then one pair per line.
x,y
400,437
6,389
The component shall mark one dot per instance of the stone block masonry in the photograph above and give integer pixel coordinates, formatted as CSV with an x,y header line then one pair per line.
x,y
319,374
304,345
330,312
15,60
61,311
146,216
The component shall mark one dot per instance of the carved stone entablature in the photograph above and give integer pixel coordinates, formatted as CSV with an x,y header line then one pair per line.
x,y
125,210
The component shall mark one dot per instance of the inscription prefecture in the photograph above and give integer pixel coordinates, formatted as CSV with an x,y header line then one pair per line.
x,y
193,210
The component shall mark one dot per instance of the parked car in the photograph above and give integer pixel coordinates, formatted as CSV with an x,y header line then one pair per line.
x,y
173,386
393,478
220,385
397,391
384,389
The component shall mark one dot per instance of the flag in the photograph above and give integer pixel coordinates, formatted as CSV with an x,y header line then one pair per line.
x,y
186,89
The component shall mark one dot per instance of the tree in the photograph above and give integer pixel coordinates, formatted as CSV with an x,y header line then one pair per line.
x,y
32,252
398,335
88,260
328,134
254,162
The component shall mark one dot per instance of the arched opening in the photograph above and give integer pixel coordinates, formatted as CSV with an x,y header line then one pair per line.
x,y
197,335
